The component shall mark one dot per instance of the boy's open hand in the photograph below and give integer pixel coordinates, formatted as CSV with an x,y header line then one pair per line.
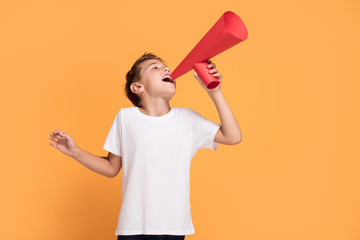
x,y
63,142
215,73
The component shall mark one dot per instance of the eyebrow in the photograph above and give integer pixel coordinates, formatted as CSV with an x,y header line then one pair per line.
x,y
154,63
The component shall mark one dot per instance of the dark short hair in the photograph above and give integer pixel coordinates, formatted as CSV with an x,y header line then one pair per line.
x,y
133,76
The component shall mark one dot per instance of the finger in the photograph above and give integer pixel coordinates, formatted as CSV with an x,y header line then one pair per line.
x,y
197,76
209,61
54,139
60,132
214,70
55,145
55,133
63,135
198,79
218,75
211,65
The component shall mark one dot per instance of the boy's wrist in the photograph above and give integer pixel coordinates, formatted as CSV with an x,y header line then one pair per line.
x,y
214,94
75,153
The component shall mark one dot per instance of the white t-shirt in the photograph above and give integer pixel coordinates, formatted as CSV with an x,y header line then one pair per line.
x,y
156,155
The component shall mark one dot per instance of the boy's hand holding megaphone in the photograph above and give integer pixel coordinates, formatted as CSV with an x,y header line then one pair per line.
x,y
212,71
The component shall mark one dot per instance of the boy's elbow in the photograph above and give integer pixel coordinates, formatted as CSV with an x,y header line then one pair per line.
x,y
236,140
111,174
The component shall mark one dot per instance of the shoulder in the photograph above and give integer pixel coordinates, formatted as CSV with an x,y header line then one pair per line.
x,y
126,110
183,110
187,112
192,112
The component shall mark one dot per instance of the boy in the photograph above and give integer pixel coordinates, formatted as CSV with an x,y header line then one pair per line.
x,y
154,143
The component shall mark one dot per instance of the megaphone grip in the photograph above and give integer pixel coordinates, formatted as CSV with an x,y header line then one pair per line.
x,y
207,78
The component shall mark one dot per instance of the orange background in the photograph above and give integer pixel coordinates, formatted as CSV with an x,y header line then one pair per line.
x,y
293,86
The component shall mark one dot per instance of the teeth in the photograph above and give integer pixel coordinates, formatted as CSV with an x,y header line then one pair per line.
x,y
168,77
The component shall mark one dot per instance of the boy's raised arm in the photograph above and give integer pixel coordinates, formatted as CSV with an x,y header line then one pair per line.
x,y
229,132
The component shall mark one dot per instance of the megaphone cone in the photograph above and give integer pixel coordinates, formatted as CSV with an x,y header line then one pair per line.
x,y
228,31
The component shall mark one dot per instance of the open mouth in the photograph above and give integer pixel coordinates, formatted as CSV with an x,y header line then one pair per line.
x,y
167,78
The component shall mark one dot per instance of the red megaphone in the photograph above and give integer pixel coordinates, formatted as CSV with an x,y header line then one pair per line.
x,y
228,31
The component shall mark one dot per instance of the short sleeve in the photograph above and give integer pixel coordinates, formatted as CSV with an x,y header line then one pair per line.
x,y
204,132
112,141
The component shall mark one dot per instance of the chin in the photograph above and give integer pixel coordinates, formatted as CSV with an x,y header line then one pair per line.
x,y
171,95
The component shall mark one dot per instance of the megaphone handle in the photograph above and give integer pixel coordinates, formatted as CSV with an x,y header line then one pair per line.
x,y
203,72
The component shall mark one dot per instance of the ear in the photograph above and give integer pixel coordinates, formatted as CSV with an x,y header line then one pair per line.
x,y
137,87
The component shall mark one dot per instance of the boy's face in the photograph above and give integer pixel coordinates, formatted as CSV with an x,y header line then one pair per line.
x,y
155,79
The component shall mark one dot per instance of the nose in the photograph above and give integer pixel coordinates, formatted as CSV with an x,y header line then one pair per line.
x,y
167,69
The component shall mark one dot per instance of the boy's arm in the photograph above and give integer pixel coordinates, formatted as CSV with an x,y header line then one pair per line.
x,y
229,133
101,165
107,166
115,161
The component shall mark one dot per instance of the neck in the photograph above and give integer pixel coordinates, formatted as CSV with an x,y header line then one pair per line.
x,y
155,109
